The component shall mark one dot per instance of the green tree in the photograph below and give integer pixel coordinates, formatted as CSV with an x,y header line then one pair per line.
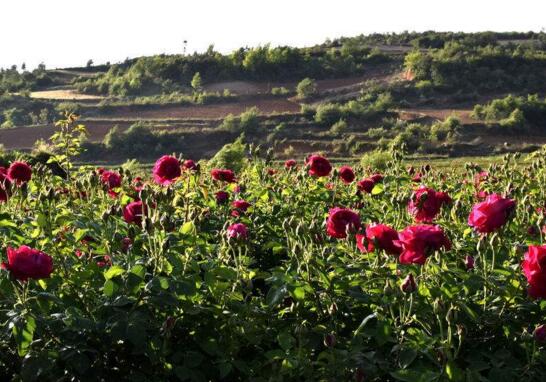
x,y
306,88
196,82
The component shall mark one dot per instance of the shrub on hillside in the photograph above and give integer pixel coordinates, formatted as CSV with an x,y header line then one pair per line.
x,y
306,88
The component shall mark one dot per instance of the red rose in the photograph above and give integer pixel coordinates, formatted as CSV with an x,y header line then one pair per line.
x,y
111,179
241,204
240,207
534,268
318,166
290,163
366,185
383,237
190,165
133,212
221,197
417,242
237,231
19,173
340,221
166,170
363,244
376,178
425,204
223,175
491,214
346,174
27,263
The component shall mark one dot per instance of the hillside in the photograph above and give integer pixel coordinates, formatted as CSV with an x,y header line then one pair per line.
x,y
366,93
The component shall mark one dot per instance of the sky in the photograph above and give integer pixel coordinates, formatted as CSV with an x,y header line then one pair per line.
x,y
63,33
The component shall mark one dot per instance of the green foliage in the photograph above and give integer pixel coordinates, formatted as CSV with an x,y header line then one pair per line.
x,y
196,82
376,160
175,299
306,88
247,121
515,112
491,67
339,127
232,156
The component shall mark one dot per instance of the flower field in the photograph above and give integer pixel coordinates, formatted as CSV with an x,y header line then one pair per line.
x,y
300,271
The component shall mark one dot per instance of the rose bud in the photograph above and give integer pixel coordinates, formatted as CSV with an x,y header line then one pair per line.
x,y
540,334
330,340
408,285
469,262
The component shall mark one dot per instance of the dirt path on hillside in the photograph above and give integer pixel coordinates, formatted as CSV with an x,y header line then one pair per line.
x,y
219,110
440,114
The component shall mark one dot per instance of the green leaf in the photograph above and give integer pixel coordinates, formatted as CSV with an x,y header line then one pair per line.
x,y
109,288
275,295
139,270
188,228
286,340
23,333
378,189
113,271
299,293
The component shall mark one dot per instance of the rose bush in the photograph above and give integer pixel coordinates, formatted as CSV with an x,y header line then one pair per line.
x,y
317,280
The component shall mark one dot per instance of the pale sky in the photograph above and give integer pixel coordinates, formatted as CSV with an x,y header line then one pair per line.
x,y
69,32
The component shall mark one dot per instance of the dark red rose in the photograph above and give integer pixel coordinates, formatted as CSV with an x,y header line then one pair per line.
x,y
28,263
271,171
290,163
5,183
539,334
346,174
133,212
222,175
491,214
19,173
237,231
376,178
366,185
221,197
417,243
425,204
383,237
126,243
340,221
241,204
318,166
534,268
240,207
190,165
166,170
111,179
409,285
